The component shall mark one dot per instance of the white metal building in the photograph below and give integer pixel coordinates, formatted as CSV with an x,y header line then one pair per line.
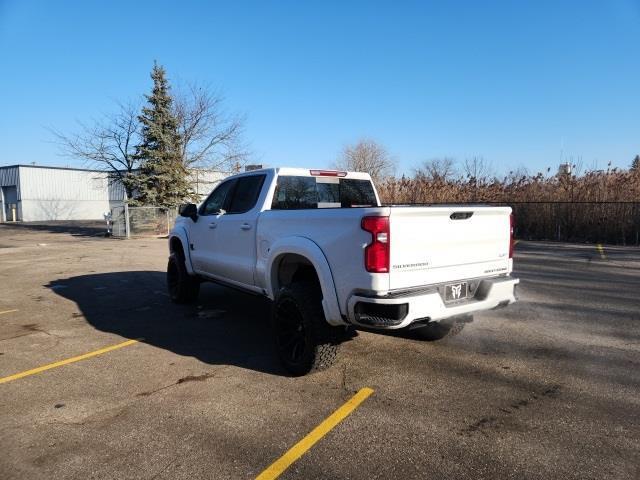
x,y
31,193
36,193
203,181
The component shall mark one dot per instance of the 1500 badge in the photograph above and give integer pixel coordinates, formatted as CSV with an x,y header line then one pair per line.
x,y
495,270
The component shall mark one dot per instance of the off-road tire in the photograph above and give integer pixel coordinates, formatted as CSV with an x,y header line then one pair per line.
x,y
437,331
305,342
182,287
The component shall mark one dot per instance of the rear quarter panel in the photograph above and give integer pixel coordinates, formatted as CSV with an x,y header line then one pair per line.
x,y
337,233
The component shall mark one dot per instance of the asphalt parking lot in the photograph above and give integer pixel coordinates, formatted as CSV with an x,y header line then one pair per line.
x,y
547,388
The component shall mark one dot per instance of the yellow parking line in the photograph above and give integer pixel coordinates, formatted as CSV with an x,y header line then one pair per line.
x,y
66,362
601,251
300,448
9,311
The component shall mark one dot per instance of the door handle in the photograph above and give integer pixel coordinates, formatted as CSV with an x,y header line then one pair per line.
x,y
245,226
213,225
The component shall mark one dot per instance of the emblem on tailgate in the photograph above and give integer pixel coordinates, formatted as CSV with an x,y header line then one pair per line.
x,y
495,270
411,266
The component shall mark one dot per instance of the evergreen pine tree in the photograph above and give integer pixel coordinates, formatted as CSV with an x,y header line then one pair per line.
x,y
162,180
635,165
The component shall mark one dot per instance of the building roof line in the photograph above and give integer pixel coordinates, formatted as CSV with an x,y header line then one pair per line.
x,y
21,165
55,168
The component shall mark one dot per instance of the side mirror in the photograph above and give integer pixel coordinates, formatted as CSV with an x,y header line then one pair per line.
x,y
189,210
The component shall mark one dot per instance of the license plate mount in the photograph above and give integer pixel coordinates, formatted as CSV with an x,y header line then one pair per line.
x,y
454,292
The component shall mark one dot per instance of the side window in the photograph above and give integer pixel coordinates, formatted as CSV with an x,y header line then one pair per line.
x,y
246,193
216,200
294,193
357,193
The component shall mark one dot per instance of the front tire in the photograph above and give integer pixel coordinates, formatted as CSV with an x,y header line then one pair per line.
x,y
182,287
305,342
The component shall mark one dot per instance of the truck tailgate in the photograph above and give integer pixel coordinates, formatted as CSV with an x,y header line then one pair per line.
x,y
440,244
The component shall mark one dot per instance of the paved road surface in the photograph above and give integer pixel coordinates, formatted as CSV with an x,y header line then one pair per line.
x,y
548,388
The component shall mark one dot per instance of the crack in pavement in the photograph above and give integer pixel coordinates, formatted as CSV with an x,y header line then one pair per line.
x,y
493,421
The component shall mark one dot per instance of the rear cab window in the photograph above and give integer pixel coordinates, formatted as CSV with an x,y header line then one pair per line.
x,y
302,192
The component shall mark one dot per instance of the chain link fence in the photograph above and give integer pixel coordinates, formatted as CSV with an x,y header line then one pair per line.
x,y
141,221
593,222
615,223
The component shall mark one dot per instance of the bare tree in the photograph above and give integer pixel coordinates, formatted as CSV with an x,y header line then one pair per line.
x,y
367,156
477,169
107,144
437,169
211,138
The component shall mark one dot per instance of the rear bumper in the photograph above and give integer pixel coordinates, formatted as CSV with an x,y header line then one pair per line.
x,y
403,308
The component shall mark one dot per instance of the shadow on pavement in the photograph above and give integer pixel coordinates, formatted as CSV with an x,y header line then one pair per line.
x,y
225,327
76,229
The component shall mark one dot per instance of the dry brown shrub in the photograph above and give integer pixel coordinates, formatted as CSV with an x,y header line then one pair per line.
x,y
599,206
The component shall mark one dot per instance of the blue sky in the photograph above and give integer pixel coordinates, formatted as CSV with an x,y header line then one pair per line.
x,y
515,82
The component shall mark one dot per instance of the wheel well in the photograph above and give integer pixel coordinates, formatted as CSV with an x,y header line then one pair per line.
x,y
175,246
294,268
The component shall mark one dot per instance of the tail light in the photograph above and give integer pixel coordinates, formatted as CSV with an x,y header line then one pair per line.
x,y
376,254
512,224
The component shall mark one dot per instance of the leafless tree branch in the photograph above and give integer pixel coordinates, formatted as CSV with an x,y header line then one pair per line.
x,y
211,138
437,170
477,170
367,156
107,144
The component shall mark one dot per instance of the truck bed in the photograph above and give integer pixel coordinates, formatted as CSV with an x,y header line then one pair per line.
x,y
428,245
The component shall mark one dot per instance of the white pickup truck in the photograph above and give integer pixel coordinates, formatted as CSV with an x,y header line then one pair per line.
x,y
330,257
